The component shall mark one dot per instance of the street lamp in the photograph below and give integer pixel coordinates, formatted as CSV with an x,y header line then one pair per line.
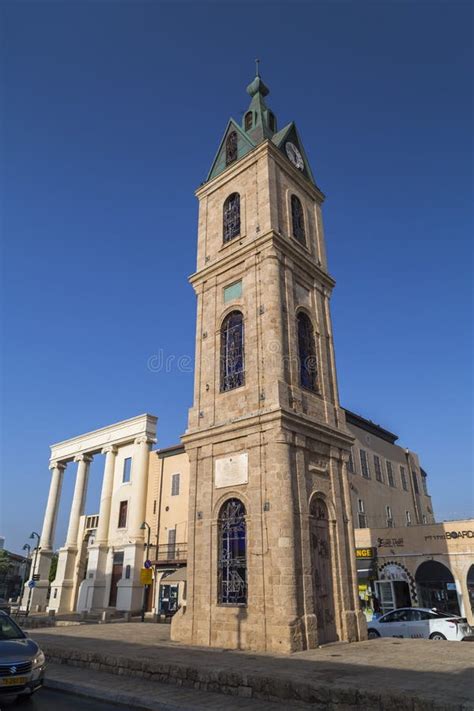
x,y
26,547
32,537
146,588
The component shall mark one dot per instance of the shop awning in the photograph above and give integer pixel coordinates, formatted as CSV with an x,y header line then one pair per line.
x,y
178,576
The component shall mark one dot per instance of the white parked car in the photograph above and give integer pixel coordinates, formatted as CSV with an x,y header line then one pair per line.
x,y
420,622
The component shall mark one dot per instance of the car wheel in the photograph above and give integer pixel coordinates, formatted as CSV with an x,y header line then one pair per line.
x,y
437,636
372,634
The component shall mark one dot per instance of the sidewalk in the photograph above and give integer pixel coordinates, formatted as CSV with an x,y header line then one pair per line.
x,y
383,674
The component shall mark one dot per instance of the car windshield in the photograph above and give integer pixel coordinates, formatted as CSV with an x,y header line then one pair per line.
x,y
9,630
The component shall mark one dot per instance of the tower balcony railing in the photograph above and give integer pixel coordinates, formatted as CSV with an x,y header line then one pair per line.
x,y
171,553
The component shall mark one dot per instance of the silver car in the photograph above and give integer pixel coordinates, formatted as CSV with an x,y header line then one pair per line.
x,y
22,663
420,623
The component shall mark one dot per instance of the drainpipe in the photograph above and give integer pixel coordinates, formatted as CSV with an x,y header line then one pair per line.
x,y
412,487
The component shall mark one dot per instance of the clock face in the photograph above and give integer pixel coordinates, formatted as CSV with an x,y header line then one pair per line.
x,y
294,155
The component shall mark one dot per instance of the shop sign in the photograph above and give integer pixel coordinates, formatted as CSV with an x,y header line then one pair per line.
x,y
365,552
451,536
390,542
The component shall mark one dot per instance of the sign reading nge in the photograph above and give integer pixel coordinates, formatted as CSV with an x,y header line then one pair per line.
x,y
365,552
231,471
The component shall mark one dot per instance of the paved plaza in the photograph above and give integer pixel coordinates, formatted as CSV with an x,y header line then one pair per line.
x,y
378,674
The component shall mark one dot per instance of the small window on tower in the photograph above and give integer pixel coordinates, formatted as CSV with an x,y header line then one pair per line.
x,y
232,352
271,121
306,352
297,219
231,217
248,120
231,148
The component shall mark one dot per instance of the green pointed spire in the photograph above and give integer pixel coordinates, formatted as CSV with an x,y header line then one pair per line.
x,y
258,121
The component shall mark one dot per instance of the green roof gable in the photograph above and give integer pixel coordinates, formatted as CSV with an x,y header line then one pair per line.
x,y
244,146
258,125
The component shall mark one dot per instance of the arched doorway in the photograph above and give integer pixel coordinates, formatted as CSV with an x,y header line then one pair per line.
x,y
322,571
470,587
436,587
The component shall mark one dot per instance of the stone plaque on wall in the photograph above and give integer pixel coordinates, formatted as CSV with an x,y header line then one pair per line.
x,y
231,471
302,295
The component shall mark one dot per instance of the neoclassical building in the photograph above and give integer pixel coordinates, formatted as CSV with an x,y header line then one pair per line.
x,y
98,546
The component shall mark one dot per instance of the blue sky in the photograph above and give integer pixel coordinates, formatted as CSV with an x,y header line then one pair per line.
x,y
113,113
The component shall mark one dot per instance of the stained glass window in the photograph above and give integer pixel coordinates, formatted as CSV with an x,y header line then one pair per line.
x,y
307,352
297,219
232,351
231,148
232,554
231,217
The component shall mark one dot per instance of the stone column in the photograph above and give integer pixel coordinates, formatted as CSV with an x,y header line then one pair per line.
x,y
137,505
50,516
78,501
106,494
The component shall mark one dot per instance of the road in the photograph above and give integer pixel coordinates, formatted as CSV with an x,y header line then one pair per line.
x,y
48,699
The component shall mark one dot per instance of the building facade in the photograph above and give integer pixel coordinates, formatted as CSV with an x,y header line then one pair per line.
x,y
430,565
388,486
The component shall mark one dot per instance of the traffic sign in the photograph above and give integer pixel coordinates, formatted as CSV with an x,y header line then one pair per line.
x,y
31,584
146,576
147,564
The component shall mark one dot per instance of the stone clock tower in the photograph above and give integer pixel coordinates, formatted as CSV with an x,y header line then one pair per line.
x,y
270,548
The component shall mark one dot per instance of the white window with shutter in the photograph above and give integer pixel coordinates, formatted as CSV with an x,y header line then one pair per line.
x,y
175,484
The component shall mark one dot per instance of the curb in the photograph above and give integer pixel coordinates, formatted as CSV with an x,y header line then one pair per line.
x,y
128,700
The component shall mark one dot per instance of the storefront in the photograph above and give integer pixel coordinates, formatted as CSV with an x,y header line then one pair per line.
x,y
417,566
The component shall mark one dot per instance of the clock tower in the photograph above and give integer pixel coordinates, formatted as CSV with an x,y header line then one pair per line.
x,y
270,546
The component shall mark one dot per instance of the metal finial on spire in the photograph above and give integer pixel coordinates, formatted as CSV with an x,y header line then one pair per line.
x,y
257,67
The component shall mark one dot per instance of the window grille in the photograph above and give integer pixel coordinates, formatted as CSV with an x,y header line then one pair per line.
x,y
297,219
231,148
232,352
306,352
232,554
231,226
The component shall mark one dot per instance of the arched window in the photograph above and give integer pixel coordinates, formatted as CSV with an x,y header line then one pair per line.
x,y
232,217
232,351
231,148
232,554
306,352
248,120
271,121
297,219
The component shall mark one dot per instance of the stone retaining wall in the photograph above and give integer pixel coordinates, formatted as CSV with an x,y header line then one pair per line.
x,y
320,696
